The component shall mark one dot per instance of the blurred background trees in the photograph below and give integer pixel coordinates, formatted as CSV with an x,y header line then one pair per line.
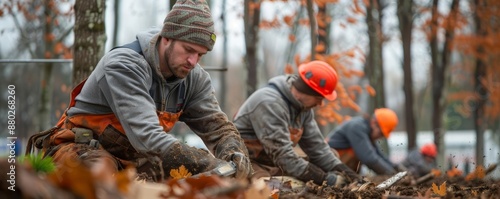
x,y
433,61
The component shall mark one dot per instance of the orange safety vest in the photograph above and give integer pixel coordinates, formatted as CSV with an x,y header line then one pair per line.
x,y
349,158
98,123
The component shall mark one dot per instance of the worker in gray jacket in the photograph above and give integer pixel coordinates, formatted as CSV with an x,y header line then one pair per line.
x,y
279,116
355,139
137,93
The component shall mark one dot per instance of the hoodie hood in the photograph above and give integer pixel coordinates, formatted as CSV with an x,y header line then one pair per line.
x,y
284,84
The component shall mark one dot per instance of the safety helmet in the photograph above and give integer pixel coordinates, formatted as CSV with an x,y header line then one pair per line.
x,y
321,77
429,149
387,120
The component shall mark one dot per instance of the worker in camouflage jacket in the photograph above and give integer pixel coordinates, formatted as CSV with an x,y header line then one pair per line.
x,y
137,93
279,116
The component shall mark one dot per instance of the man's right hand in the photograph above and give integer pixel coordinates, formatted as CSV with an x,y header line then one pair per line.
x,y
195,160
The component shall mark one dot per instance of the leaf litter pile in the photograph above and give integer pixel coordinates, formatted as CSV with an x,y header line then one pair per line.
x,y
37,178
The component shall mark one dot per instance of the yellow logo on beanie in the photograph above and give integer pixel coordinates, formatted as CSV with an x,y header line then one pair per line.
x,y
212,37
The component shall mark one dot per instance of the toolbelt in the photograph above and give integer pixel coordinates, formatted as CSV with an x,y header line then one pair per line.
x,y
51,140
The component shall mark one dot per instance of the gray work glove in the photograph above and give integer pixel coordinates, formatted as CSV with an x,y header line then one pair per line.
x,y
349,173
243,165
195,160
336,179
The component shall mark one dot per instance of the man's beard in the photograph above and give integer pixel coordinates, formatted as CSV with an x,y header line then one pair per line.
x,y
166,55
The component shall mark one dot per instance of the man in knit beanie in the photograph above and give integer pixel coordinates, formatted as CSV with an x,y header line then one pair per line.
x,y
139,91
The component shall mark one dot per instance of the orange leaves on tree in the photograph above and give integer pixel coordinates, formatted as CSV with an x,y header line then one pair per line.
x,y
353,91
50,37
320,47
59,48
357,8
288,20
352,20
371,91
266,24
47,55
323,20
291,38
180,173
441,190
288,69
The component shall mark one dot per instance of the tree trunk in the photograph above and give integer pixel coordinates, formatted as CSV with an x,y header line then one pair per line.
x,y
224,58
374,68
324,29
116,9
44,111
312,24
252,20
405,15
440,61
479,88
90,37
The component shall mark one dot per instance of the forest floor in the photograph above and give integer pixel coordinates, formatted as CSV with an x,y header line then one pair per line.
x,y
440,187
74,180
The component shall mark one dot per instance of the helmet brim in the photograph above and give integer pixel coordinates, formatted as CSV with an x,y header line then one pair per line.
x,y
331,96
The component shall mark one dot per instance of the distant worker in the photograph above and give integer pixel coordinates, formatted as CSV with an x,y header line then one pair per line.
x,y
421,161
279,116
354,140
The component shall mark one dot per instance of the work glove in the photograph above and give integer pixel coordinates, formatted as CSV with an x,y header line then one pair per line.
x,y
233,149
336,179
195,160
349,173
243,165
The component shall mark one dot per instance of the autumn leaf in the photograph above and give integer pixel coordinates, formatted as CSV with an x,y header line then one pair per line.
x,y
371,91
441,190
73,175
180,173
288,69
454,172
479,173
288,20
275,194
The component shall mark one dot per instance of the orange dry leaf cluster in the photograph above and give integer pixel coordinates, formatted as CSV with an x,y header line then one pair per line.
x,y
478,173
180,173
441,190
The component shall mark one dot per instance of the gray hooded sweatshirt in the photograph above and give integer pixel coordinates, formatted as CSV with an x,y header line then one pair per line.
x,y
267,116
132,87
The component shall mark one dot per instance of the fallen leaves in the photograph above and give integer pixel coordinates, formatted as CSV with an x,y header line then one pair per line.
x,y
180,173
441,190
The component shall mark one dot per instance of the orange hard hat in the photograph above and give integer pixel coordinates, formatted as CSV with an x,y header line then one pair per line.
x,y
387,120
321,77
429,149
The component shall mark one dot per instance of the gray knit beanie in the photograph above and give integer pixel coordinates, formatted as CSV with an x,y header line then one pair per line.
x,y
190,21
